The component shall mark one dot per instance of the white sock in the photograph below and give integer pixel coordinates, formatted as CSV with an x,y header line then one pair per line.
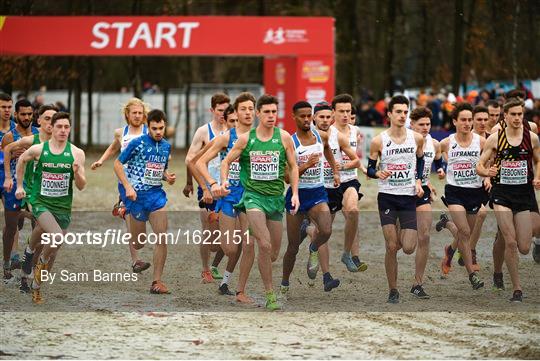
x,y
28,250
537,241
226,277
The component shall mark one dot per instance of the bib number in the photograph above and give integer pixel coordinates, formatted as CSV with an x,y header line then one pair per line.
x,y
514,172
153,173
55,184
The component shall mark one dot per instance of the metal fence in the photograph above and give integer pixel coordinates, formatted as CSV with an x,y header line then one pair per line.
x,y
107,109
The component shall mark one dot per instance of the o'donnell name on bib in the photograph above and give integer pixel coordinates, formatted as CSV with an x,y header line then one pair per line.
x,y
90,276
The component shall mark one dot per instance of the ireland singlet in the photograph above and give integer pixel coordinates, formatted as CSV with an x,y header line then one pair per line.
x,y
28,180
262,164
53,180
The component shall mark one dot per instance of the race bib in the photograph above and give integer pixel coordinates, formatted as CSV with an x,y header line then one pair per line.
x,y
464,173
55,184
347,174
514,172
328,175
402,174
264,166
234,170
426,174
153,173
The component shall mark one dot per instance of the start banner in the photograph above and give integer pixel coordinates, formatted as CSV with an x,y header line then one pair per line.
x,y
166,35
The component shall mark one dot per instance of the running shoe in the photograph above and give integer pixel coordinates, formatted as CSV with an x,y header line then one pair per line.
x,y
119,210
215,273
476,283
241,297
224,290
36,296
40,266
213,217
7,275
313,264
446,264
140,266
303,229
284,292
159,288
347,260
498,282
475,265
418,292
443,219
536,252
361,266
460,259
23,287
27,262
331,283
517,296
393,296
271,302
15,262
206,277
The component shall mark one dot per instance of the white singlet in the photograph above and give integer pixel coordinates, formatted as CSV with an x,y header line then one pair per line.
x,y
400,159
461,170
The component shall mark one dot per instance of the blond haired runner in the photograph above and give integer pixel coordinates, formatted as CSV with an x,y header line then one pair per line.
x,y
135,112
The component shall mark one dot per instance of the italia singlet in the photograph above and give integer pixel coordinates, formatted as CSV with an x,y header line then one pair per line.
x,y
13,163
262,164
400,159
313,176
234,168
53,180
333,143
12,126
146,161
461,169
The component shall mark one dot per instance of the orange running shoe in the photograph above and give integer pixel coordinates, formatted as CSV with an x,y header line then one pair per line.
x,y
207,277
159,288
446,264
213,217
241,297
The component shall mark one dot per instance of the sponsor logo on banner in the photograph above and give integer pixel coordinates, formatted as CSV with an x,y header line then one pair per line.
x,y
281,36
315,71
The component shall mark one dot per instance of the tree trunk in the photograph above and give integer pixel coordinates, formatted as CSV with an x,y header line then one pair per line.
x,y
188,116
90,90
389,57
514,43
458,46
136,76
77,107
468,45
